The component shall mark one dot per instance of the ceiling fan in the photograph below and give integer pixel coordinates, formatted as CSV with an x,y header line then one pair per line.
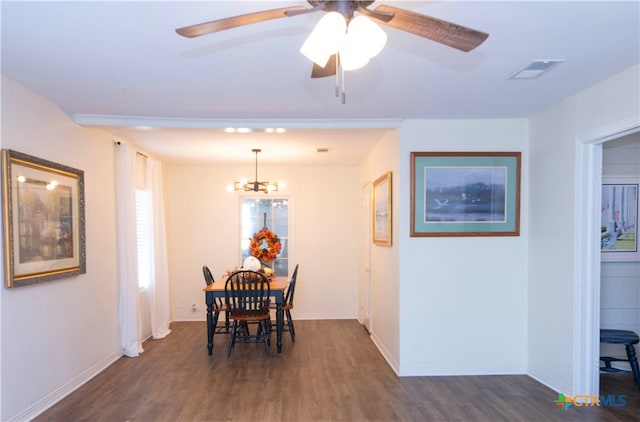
x,y
443,32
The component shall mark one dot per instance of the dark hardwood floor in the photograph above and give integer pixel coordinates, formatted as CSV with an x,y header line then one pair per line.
x,y
333,372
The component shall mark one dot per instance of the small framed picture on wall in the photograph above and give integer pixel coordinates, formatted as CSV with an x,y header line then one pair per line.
x,y
619,219
381,199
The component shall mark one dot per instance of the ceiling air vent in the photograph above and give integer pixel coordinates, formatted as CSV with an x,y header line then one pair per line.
x,y
536,68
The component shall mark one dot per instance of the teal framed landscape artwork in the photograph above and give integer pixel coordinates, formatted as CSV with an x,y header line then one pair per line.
x,y
465,193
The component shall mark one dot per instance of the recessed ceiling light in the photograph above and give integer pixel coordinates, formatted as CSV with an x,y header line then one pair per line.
x,y
238,130
275,130
536,68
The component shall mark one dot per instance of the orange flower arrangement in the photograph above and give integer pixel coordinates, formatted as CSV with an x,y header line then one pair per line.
x,y
265,253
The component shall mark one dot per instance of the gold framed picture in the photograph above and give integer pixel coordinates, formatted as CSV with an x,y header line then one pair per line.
x,y
381,200
43,219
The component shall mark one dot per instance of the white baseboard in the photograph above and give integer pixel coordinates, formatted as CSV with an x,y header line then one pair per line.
x,y
393,363
455,369
55,396
296,317
552,382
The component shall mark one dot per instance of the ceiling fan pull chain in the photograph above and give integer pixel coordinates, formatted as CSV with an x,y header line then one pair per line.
x,y
344,95
337,76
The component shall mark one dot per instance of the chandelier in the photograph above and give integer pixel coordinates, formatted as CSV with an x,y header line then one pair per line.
x,y
256,186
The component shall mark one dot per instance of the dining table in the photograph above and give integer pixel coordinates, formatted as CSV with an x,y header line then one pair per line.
x,y
217,290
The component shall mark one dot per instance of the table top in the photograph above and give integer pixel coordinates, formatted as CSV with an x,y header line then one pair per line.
x,y
276,283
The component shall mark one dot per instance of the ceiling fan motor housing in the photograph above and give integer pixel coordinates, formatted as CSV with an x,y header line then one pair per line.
x,y
344,7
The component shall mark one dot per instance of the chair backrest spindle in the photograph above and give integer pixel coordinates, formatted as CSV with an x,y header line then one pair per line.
x,y
208,277
247,292
288,299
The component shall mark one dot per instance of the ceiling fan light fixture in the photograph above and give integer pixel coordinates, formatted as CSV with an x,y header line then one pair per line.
x,y
326,38
323,45
352,57
364,41
367,35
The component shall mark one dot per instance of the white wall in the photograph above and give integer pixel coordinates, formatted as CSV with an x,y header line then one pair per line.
x,y
385,281
553,198
464,305
462,299
57,334
202,220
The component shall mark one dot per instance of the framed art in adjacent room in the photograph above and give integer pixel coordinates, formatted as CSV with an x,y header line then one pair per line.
x,y
43,219
465,193
382,210
619,219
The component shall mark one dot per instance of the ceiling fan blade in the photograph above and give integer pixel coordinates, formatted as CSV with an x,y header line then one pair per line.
x,y
293,12
447,33
233,22
328,70
377,14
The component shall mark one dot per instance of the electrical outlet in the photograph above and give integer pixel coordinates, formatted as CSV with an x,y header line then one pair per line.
x,y
194,308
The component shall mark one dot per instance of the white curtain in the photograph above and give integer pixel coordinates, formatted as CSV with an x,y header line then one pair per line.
x,y
159,286
128,304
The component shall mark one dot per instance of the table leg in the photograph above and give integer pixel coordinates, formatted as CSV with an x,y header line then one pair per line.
x,y
210,329
279,323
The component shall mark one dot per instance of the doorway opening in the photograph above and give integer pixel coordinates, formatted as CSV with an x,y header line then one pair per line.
x,y
364,267
586,346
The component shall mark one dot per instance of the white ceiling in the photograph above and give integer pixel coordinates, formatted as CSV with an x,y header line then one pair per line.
x,y
120,64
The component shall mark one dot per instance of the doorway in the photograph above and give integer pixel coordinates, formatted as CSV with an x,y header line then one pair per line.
x,y
364,267
586,377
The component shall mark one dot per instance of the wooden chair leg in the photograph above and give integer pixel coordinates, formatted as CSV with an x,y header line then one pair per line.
x,y
292,330
216,315
265,335
633,361
232,338
244,329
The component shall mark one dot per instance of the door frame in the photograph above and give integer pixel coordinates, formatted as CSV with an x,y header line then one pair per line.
x,y
364,267
586,283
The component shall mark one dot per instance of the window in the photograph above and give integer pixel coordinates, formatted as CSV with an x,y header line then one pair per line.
x,y
143,237
274,212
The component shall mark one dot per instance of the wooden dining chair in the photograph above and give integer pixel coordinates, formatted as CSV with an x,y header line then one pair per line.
x,y
287,305
247,297
628,339
218,305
